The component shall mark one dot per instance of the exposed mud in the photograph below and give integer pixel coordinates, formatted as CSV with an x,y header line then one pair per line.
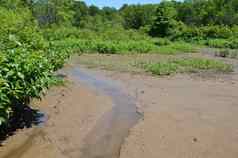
x,y
185,116
73,132
107,136
72,112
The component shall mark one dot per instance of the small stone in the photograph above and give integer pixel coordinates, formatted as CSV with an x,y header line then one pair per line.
x,y
195,139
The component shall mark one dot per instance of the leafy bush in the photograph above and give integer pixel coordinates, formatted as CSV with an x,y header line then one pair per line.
x,y
101,46
106,47
231,43
177,47
189,33
25,74
218,43
17,30
26,61
216,31
161,41
234,43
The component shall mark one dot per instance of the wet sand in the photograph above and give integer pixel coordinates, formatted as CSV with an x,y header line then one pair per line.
x,y
73,111
90,118
184,116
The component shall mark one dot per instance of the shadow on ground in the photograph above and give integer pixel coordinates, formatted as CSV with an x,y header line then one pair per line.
x,y
23,117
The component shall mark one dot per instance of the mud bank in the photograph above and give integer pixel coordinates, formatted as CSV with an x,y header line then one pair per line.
x,y
88,118
184,117
106,138
72,112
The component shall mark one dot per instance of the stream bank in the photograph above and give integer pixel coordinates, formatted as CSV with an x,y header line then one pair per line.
x,y
89,117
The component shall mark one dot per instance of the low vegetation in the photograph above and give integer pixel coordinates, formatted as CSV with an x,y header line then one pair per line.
x,y
124,47
185,65
227,53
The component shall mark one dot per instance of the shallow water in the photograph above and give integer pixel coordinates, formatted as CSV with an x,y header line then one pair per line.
x,y
106,138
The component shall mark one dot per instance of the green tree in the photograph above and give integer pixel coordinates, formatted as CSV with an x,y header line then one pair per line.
x,y
54,12
136,16
165,21
94,10
81,12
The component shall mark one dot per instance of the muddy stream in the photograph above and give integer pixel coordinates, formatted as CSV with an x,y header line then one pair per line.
x,y
105,140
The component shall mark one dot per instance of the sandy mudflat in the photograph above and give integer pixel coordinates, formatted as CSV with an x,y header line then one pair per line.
x,y
184,117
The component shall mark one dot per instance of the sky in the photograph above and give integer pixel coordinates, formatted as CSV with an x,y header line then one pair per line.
x,y
118,3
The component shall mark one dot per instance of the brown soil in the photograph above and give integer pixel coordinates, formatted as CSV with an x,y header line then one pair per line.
x,y
185,116
73,112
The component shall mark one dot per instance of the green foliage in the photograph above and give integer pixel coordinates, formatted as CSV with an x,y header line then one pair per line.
x,y
218,43
161,41
205,32
186,65
123,46
231,43
196,20
178,47
165,22
17,29
137,16
26,62
54,12
208,12
102,46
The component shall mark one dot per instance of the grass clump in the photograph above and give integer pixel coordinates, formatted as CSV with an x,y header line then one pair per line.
x,y
226,53
177,48
186,65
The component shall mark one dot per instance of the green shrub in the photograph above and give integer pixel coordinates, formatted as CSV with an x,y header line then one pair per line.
x,y
26,61
231,43
161,41
194,33
218,43
137,46
17,29
216,31
177,47
234,43
162,68
105,47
